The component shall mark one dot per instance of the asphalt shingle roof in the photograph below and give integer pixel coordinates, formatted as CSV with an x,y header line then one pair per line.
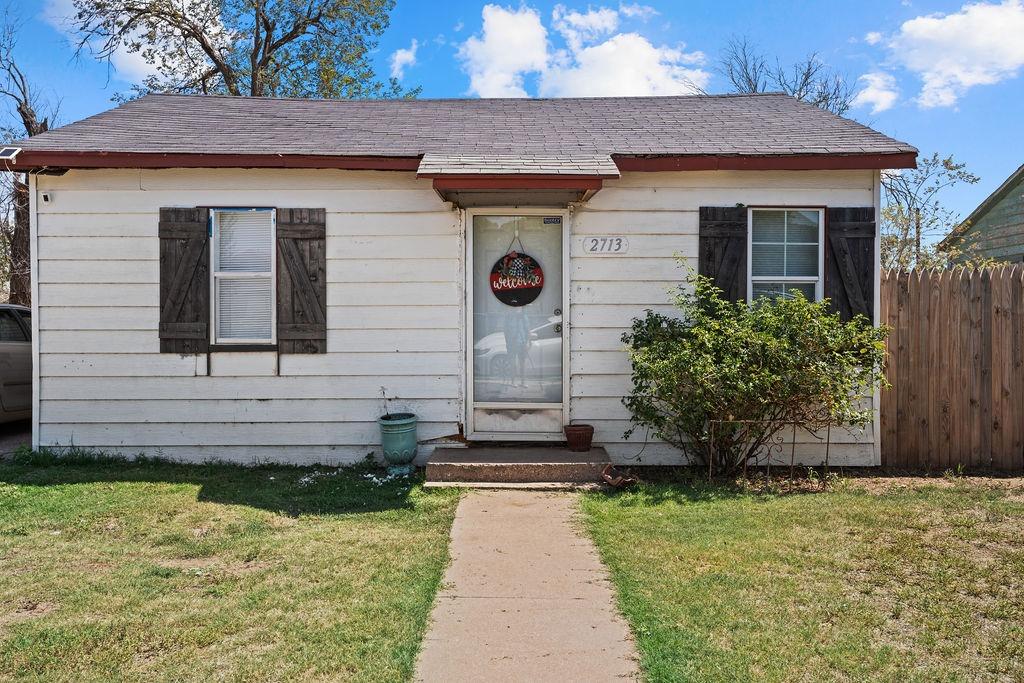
x,y
574,163
759,125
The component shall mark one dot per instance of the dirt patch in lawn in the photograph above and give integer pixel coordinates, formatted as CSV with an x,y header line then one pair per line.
x,y
213,564
27,609
1013,486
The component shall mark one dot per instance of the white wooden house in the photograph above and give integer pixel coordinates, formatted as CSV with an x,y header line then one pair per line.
x,y
165,324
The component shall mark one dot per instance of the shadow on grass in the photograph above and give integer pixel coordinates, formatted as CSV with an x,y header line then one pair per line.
x,y
284,489
677,485
691,485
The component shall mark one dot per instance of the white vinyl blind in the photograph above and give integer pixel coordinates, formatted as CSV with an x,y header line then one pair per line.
x,y
785,252
243,276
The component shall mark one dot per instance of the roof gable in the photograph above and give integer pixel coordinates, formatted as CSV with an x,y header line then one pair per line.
x,y
1015,180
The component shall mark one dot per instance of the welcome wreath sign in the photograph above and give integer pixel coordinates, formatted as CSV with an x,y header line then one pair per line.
x,y
516,279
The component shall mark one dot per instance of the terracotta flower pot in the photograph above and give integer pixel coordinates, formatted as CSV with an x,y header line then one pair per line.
x,y
579,437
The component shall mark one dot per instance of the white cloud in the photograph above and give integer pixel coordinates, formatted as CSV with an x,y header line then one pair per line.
x,y
512,44
872,37
129,66
578,28
981,44
879,92
637,11
458,27
595,61
625,64
403,58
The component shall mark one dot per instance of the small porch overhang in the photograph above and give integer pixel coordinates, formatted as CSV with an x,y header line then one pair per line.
x,y
474,180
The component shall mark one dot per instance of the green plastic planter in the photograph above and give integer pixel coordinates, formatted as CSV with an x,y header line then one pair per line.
x,y
398,438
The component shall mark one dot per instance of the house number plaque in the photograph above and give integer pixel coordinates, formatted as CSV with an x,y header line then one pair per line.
x,y
608,245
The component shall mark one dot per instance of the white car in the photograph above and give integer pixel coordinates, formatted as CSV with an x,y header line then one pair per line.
x,y
15,363
544,358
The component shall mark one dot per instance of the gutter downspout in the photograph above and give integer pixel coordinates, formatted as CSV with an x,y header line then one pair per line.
x,y
33,220
876,399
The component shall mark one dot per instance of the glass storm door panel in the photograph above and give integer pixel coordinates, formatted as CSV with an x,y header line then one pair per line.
x,y
517,323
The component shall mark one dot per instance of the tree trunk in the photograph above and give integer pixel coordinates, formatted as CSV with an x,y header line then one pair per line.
x,y
21,271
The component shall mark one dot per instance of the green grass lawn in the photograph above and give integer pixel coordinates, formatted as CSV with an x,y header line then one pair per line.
x,y
119,571
872,580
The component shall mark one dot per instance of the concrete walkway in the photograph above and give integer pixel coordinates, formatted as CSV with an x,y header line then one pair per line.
x,y
525,599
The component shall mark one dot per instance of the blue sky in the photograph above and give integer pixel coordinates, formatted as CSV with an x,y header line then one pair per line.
x,y
944,76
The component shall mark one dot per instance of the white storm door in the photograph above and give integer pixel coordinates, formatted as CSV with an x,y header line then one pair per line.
x,y
516,331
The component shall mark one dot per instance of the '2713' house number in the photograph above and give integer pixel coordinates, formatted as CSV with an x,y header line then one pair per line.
x,y
609,245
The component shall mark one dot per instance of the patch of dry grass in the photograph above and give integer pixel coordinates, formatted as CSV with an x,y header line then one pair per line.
x,y
909,579
117,571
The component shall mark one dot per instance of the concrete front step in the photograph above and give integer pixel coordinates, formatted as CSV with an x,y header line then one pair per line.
x,y
515,465
518,485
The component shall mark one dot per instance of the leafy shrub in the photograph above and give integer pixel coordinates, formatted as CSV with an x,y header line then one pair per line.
x,y
746,372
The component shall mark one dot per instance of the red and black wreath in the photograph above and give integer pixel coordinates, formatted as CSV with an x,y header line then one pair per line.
x,y
516,279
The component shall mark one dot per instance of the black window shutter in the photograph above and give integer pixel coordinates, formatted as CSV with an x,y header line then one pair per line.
x,y
302,280
184,281
722,247
850,261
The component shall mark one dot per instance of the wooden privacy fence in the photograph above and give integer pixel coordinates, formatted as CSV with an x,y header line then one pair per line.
x,y
956,365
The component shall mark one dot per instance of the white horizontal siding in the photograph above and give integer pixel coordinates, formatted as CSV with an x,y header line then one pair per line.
x,y
390,269
395,310
656,453
202,410
144,388
115,295
98,271
383,200
665,269
393,293
109,224
659,215
174,365
620,198
155,434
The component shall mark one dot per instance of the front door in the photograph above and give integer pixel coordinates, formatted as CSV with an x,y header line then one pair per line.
x,y
516,384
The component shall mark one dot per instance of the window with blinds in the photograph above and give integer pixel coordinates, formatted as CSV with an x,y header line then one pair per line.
x,y
242,251
785,253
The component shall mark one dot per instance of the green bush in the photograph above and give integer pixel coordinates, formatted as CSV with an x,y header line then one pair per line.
x,y
725,379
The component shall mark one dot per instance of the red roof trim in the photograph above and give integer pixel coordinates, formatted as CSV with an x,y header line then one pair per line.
x,y
803,162
516,182
29,159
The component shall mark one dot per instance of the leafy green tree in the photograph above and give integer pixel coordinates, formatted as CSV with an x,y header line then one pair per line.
x,y
724,380
267,48
914,216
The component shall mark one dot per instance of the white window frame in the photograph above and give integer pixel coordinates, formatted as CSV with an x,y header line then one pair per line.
x,y
235,275
819,281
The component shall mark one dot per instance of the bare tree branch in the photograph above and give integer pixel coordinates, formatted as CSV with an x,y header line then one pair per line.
x,y
809,80
27,115
914,216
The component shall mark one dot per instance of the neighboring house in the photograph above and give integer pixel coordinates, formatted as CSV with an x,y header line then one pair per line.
x,y
238,278
996,228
